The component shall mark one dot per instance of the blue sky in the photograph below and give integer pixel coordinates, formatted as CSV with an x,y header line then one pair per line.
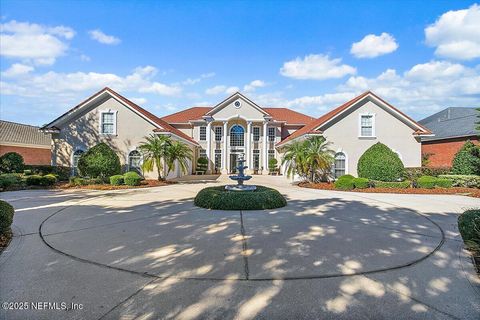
x,y
422,56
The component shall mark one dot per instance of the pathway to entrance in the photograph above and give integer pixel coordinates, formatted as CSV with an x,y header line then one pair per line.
x,y
151,254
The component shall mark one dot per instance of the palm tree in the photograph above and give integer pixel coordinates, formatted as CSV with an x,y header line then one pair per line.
x,y
310,158
318,157
178,152
155,150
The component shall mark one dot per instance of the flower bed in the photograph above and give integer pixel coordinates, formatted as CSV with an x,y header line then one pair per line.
x,y
454,190
143,184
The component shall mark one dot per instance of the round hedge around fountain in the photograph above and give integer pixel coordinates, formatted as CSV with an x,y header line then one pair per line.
x,y
220,199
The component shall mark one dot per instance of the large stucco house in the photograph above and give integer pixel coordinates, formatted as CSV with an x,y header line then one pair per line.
x,y
236,125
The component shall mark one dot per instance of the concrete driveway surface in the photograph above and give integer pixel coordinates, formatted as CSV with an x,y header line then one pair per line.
x,y
151,254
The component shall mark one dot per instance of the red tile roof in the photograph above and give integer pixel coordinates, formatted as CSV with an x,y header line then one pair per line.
x,y
311,128
278,114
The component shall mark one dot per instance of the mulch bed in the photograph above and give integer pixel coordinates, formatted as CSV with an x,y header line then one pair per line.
x,y
144,184
458,191
5,239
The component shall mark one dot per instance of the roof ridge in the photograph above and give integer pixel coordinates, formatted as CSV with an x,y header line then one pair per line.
x,y
21,124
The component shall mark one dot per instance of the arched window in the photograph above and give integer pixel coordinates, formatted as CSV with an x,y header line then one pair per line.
x,y
340,164
76,156
237,136
134,161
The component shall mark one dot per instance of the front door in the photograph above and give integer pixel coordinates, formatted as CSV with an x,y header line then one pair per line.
x,y
233,162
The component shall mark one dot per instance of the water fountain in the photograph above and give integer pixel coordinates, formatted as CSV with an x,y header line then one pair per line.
x,y
240,178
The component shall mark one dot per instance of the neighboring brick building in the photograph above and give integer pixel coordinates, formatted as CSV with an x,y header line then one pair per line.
x,y
452,128
33,145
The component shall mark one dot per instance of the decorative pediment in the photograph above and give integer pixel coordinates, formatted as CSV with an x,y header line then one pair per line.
x,y
237,105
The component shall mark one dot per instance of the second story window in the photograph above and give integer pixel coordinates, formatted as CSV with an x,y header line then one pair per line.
x,y
218,133
203,133
271,134
256,134
366,125
107,123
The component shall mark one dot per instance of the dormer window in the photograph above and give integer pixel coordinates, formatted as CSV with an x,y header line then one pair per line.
x,y
367,125
108,122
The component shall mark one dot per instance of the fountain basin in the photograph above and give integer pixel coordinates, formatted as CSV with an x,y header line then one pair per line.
x,y
238,178
240,187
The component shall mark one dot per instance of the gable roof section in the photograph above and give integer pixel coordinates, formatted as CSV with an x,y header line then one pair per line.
x,y
17,133
451,123
312,128
230,99
278,114
161,125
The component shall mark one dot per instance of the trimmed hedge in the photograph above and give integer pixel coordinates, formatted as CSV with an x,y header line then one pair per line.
x,y
467,160
392,185
430,182
443,183
361,183
62,173
379,162
99,161
465,181
6,216
10,179
132,178
116,180
416,172
11,162
469,227
37,180
220,199
76,181
345,182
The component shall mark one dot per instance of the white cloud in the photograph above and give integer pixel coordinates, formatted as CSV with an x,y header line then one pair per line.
x,y
316,66
191,81
33,43
139,101
252,86
84,57
221,89
372,46
54,83
322,103
101,37
17,69
456,34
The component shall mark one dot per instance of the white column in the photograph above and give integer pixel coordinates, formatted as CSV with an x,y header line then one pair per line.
x,y
265,146
209,144
224,157
248,149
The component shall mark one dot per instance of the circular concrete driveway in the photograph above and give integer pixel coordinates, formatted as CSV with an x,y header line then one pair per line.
x,y
159,232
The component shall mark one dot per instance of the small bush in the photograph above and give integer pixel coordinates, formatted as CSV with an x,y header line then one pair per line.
x,y
443,183
392,185
272,165
76,181
48,180
379,162
62,173
132,178
116,180
467,160
11,162
221,199
10,179
99,161
6,216
27,172
361,183
345,182
416,172
34,180
427,182
202,164
469,227
464,181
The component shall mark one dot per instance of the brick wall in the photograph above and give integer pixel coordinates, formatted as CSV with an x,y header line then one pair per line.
x,y
443,151
30,155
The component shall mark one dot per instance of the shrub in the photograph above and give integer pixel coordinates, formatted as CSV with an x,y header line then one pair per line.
x,y
392,185
11,162
99,161
361,183
116,180
416,172
272,165
469,227
6,216
27,172
427,182
345,182
33,180
465,181
467,160
379,162
132,178
202,164
62,173
48,180
443,183
10,179
221,199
